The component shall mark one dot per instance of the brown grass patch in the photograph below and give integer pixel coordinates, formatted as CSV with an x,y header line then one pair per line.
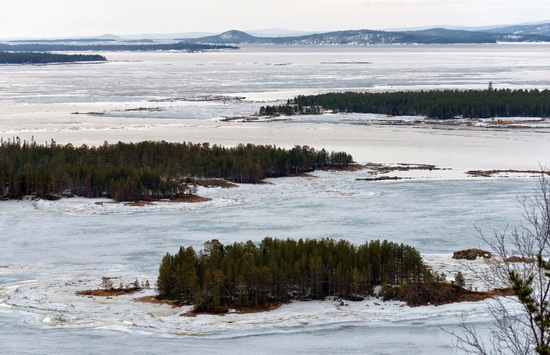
x,y
241,310
441,293
306,175
208,183
140,203
151,299
350,167
471,296
519,259
109,293
190,199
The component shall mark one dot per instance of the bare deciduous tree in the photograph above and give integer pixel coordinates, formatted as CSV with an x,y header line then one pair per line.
x,y
522,251
106,283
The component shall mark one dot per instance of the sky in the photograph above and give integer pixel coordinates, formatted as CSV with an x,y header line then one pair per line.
x,y
62,18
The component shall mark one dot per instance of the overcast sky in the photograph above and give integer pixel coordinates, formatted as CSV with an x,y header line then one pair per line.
x,y
51,18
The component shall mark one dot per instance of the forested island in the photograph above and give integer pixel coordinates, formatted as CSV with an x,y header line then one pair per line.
x,y
110,47
45,58
145,170
243,275
444,104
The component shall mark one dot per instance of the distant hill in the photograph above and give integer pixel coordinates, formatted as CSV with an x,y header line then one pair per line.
x,y
542,29
278,32
438,35
521,33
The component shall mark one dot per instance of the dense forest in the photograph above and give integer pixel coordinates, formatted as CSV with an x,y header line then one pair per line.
x,y
444,104
249,275
145,170
44,58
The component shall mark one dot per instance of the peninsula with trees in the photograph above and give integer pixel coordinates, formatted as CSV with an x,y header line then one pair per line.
x,y
444,104
145,170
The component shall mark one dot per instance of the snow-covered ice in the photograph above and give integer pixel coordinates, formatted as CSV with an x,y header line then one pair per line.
x,y
52,249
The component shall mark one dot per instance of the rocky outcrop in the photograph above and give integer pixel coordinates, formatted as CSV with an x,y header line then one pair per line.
x,y
519,259
472,254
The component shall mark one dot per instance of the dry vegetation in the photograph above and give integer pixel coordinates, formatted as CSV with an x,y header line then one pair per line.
x,y
491,173
444,293
109,293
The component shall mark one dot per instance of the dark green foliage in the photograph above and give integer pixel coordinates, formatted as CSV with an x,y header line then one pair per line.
x,y
250,275
459,280
145,170
435,104
434,293
536,306
43,58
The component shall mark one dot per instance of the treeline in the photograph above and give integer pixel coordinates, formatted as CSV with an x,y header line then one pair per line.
x,y
60,47
444,104
43,58
60,40
249,275
145,170
291,109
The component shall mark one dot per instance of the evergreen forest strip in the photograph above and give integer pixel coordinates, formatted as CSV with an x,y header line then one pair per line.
x,y
445,104
246,275
63,47
145,170
45,58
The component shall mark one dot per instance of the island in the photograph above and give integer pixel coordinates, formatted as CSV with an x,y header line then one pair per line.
x,y
246,277
33,46
438,104
46,58
146,170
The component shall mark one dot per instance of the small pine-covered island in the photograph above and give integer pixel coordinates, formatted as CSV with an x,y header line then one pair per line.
x,y
250,277
146,170
256,276
47,58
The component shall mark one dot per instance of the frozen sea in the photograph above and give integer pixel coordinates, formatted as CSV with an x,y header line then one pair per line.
x,y
51,249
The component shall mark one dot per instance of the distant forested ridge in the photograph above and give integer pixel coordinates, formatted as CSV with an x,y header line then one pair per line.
x,y
444,104
110,47
249,275
369,37
145,170
44,58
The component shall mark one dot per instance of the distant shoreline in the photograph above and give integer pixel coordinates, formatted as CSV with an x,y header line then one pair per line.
x,y
26,58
